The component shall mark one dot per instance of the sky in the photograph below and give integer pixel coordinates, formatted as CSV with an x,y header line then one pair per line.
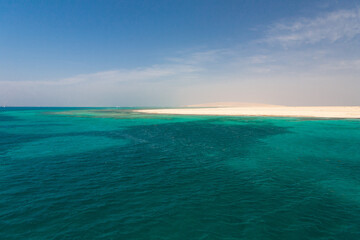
x,y
179,52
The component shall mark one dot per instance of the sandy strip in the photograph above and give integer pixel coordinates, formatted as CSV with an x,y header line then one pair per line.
x,y
278,111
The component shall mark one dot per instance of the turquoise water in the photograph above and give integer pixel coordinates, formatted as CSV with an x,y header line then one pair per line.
x,y
114,174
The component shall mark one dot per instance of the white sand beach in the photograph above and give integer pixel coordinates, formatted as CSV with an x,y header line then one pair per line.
x,y
243,109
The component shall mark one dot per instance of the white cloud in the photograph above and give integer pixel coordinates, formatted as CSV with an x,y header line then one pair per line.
x,y
331,27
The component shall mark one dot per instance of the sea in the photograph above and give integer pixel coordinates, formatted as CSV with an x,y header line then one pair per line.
x,y
107,173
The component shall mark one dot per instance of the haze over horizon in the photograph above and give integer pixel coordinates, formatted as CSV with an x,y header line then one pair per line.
x,y
173,53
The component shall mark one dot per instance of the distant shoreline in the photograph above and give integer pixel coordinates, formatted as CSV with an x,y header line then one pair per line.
x,y
269,111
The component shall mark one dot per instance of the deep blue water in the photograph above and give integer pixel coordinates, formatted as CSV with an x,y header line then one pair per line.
x,y
114,174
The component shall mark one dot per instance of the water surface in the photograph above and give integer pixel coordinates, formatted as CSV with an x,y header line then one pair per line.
x,y
114,174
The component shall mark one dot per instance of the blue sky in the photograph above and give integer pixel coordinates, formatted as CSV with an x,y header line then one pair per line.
x,y
164,53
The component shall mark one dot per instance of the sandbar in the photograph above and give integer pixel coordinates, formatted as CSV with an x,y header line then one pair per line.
x,y
263,110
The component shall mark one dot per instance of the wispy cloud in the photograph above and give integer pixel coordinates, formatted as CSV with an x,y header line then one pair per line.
x,y
137,86
331,27
155,72
201,57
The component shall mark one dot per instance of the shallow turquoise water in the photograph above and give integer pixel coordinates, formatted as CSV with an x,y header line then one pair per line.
x,y
113,174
